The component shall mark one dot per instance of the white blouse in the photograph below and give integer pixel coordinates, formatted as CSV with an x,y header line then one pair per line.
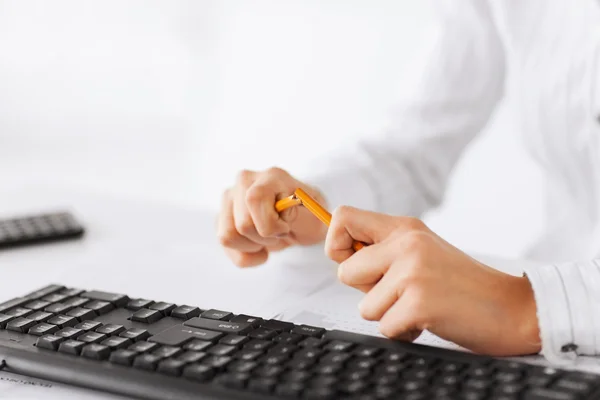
x,y
552,48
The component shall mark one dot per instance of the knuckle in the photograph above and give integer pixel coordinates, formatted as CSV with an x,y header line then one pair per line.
x,y
255,194
245,225
245,175
342,213
227,237
276,172
414,223
415,241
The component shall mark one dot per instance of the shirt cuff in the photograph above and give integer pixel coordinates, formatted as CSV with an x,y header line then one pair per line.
x,y
566,307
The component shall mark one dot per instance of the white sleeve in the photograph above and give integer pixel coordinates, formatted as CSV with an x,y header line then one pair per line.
x,y
451,97
568,308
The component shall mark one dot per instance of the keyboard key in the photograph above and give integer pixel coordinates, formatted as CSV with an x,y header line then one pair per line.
x,y
135,334
262,333
291,389
287,349
143,347
247,319
261,385
167,351
71,292
91,337
297,376
99,307
221,350
239,328
147,362
76,302
300,363
122,357
73,347
43,329
312,342
191,356
232,380
309,353
116,342
118,300
326,381
36,305
269,371
49,342
20,325
19,312
276,325
199,372
110,329
179,335
367,351
197,345
38,316
185,312
81,314
258,345
234,340
172,367
335,357
58,308
288,338
88,325
164,308
574,386
137,304
62,321
217,362
95,351
55,298
271,359
44,291
339,345
146,316
242,366
7,305
69,332
4,320
307,330
248,355
217,315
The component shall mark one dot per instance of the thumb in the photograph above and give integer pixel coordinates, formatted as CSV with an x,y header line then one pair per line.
x,y
349,224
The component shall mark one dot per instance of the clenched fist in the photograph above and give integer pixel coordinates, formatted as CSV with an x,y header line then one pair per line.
x,y
414,280
249,227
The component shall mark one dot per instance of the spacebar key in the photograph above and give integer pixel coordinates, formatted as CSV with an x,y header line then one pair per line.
x,y
239,328
118,300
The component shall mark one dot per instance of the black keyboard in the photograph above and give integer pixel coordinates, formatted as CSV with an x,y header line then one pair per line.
x,y
158,350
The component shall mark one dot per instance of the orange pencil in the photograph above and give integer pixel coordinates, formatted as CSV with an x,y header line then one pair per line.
x,y
300,197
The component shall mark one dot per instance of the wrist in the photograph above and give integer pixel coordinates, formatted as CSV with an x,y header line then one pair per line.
x,y
525,309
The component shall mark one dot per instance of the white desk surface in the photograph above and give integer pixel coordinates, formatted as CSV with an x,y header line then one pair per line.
x,y
151,251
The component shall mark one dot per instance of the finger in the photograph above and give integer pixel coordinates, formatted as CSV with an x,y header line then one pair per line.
x,y
226,231
244,223
349,224
260,201
242,259
380,298
366,267
402,320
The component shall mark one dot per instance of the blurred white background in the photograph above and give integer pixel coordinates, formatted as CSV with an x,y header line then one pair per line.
x,y
165,101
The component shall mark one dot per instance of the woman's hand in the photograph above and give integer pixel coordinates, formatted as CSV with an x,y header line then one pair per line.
x,y
414,280
248,226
